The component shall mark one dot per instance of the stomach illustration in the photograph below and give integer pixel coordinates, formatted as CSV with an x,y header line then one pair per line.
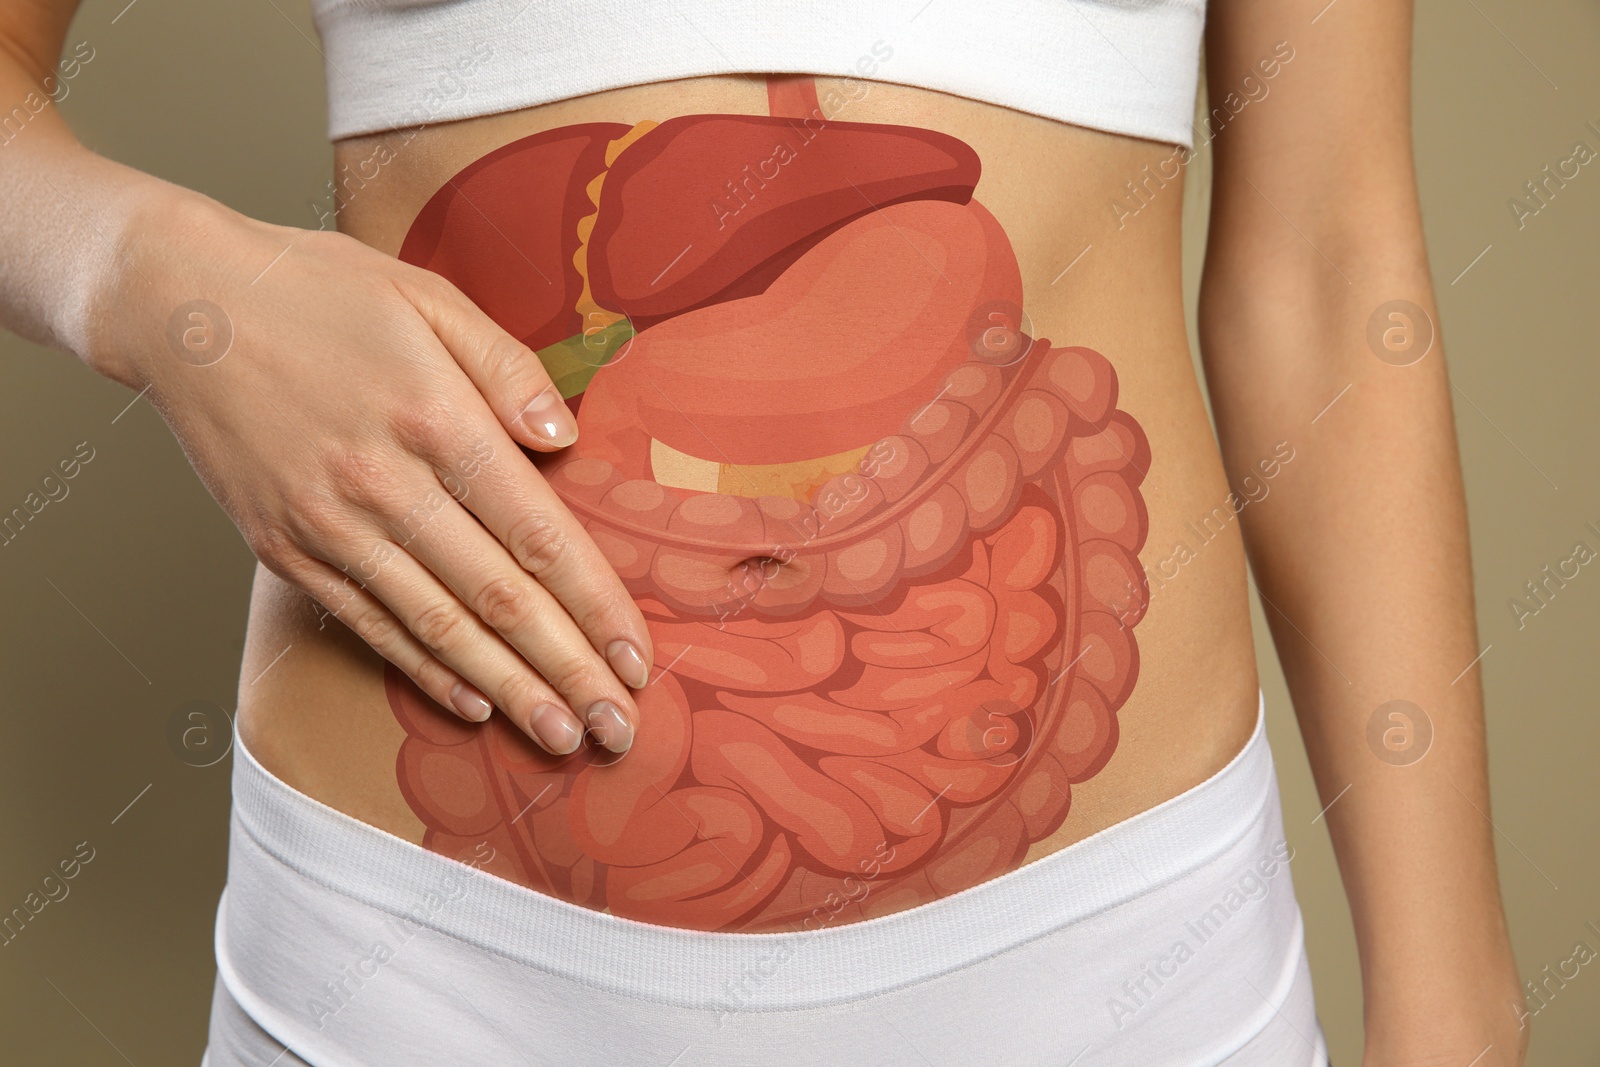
x,y
881,534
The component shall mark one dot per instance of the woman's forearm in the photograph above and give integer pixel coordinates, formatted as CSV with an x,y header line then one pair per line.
x,y
67,215
1362,561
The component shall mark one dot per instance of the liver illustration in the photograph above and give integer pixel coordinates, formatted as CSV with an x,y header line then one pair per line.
x,y
881,535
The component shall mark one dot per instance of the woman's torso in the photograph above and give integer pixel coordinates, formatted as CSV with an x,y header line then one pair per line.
x,y
961,620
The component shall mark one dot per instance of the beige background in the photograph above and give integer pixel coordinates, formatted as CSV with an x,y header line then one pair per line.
x,y
127,598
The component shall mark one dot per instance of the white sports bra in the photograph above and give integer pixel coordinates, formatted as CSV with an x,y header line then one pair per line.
x,y
1125,66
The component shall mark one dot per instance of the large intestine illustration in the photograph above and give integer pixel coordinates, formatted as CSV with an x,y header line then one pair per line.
x,y
880,534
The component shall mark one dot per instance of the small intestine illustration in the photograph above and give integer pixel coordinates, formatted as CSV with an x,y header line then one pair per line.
x,y
881,535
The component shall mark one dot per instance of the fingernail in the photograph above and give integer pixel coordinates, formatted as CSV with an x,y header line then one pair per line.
x,y
555,729
548,416
470,703
610,727
628,664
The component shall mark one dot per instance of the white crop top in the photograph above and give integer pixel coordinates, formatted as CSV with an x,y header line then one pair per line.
x,y
1125,66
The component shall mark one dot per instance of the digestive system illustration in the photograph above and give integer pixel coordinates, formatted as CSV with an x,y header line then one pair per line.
x,y
882,537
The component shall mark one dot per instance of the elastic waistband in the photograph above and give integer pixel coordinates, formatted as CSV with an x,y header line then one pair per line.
x,y
689,968
1129,66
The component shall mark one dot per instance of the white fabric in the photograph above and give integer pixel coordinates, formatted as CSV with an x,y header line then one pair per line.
x,y
1127,66
341,945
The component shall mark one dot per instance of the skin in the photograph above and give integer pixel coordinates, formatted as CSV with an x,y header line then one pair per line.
x,y
921,698
368,383
1379,517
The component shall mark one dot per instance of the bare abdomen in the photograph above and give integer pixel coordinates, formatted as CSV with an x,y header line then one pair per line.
x,y
883,537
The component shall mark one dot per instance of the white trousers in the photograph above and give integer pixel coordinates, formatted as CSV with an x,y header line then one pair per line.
x,y
1172,938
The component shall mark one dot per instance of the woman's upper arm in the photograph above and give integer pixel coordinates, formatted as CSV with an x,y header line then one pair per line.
x,y
1314,215
1328,131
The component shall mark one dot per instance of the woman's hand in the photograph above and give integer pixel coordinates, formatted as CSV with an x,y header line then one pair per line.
x,y
359,420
